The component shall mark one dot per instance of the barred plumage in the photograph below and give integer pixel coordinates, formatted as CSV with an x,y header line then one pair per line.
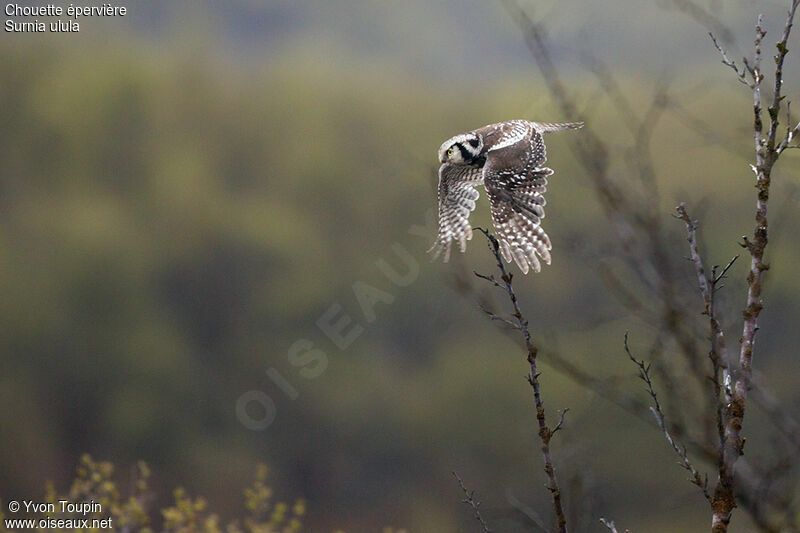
x,y
507,159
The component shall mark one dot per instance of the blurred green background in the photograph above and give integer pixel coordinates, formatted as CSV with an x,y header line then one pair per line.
x,y
186,191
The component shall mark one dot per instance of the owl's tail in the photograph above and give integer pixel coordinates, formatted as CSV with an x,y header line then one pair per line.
x,y
548,127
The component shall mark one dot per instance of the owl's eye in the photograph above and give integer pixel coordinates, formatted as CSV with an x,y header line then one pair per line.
x,y
450,152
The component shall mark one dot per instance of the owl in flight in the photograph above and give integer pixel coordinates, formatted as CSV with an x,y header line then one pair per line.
x,y
507,159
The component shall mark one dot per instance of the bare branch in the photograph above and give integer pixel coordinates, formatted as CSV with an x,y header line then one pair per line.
x,y
561,414
493,316
472,502
718,353
774,109
717,278
658,414
740,73
545,433
791,133
691,227
766,154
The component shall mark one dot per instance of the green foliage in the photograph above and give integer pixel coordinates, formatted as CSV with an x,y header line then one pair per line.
x,y
94,482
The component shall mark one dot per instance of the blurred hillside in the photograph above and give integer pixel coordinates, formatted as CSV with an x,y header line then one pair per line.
x,y
175,215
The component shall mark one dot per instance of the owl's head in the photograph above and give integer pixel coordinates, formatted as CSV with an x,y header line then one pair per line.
x,y
462,149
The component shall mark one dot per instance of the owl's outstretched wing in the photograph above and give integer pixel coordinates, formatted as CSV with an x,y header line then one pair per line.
x,y
516,182
457,196
538,151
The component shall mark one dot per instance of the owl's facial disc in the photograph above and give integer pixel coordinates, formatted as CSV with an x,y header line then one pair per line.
x,y
461,149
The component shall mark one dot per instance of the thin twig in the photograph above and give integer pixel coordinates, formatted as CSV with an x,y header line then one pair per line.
x,y
472,502
658,414
740,73
611,526
691,227
498,318
718,353
717,278
545,433
561,414
791,133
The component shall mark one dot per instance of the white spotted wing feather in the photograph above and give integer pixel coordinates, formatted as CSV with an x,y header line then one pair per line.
x,y
457,196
